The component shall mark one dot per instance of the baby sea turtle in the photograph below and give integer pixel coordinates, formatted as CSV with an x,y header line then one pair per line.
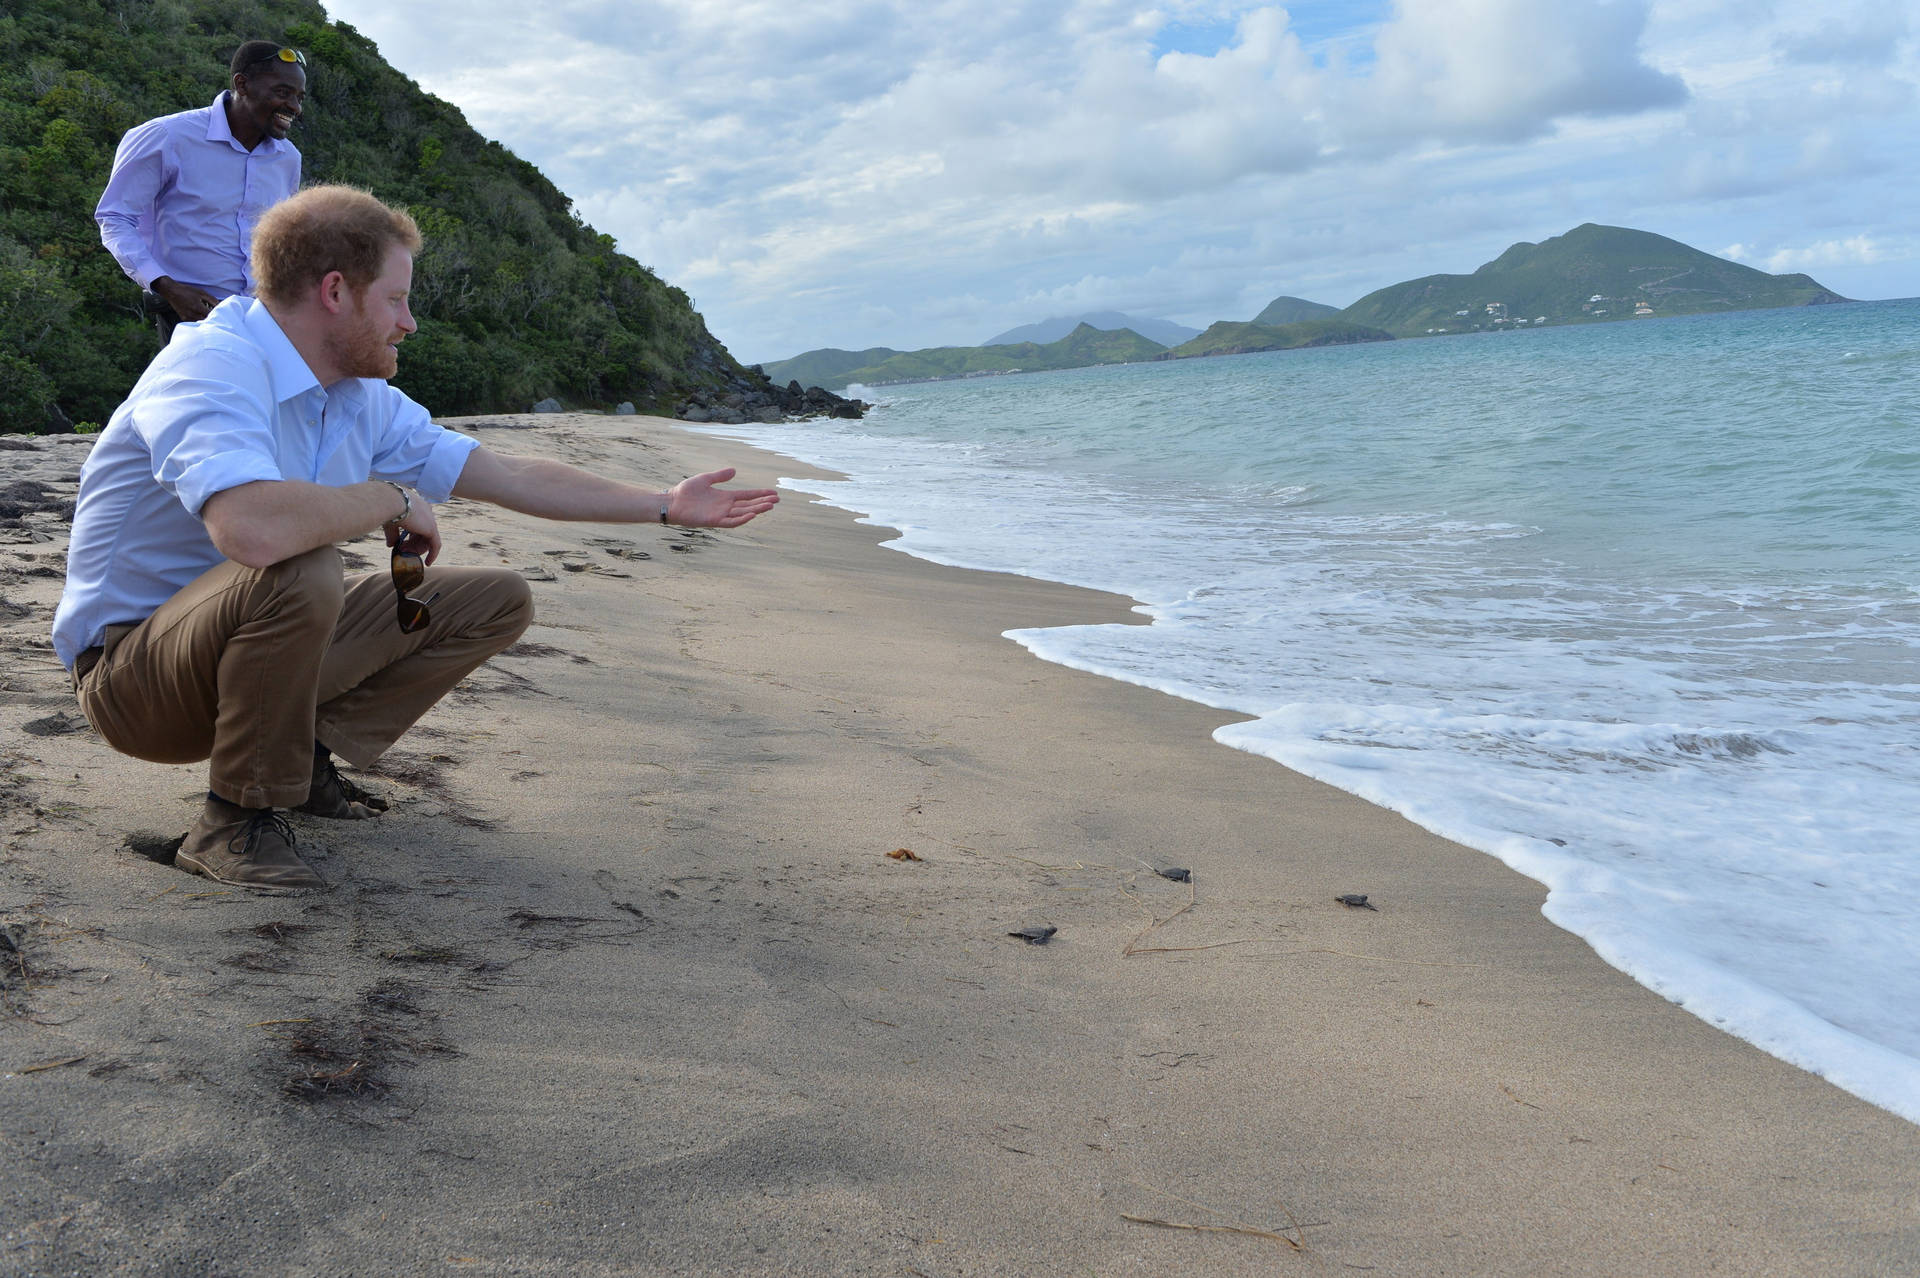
x,y
1034,935
1178,873
1356,901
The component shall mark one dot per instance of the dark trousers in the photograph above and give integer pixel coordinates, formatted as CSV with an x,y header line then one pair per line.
x,y
163,315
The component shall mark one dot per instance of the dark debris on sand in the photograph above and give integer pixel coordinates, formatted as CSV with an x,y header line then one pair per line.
x,y
351,1058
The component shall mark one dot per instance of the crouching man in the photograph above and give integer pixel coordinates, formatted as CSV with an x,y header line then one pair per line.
x,y
206,615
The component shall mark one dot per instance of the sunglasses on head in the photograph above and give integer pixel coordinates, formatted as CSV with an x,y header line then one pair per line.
x,y
292,57
409,574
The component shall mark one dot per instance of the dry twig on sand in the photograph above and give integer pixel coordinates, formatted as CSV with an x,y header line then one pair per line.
x,y
1295,1237
1371,958
1134,948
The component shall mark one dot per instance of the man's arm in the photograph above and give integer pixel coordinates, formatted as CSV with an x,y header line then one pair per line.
x,y
125,210
125,217
259,524
555,490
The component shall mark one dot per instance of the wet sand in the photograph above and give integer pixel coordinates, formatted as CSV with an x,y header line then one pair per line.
x,y
627,981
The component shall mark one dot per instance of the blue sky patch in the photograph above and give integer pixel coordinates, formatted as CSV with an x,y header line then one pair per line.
x,y
1318,23
1204,38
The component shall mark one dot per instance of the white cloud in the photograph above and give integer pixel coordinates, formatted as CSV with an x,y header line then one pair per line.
x,y
1857,250
1505,70
862,172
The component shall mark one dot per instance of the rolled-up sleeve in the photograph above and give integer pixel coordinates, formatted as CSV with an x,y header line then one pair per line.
x,y
207,434
412,449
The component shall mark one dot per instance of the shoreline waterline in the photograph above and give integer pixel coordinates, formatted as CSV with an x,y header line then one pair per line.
x,y
635,876
1888,1079
1692,732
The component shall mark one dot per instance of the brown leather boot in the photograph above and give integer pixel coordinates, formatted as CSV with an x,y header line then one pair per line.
x,y
247,847
332,795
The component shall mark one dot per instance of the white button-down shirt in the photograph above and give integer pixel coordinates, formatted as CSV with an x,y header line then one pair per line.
x,y
184,196
228,402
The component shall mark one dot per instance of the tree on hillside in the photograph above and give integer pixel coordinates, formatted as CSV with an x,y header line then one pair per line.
x,y
517,298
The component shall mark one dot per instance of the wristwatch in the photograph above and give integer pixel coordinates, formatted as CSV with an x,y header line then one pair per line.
x,y
406,504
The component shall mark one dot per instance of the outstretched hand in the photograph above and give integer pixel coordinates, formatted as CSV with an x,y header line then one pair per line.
x,y
695,502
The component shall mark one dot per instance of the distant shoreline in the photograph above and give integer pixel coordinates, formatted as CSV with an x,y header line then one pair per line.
x,y
1591,274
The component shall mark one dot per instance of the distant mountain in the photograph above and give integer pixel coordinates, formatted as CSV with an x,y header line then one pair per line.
x,y
1165,332
821,368
1083,346
1229,337
1291,310
1590,273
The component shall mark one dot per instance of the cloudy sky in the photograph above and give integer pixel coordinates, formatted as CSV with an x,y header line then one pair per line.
x,y
912,173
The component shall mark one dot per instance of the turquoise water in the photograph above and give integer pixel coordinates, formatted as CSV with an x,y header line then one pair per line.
x,y
1634,607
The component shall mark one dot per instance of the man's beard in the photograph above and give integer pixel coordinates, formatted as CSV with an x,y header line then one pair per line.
x,y
362,352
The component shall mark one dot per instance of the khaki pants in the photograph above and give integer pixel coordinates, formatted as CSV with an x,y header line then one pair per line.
x,y
247,668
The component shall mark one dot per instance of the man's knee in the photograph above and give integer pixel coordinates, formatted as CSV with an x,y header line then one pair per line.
x,y
314,582
516,602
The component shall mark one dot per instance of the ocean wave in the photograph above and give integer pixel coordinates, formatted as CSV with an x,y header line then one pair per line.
x,y
1589,606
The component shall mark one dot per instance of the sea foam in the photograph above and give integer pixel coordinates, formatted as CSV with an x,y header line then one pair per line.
x,y
1632,608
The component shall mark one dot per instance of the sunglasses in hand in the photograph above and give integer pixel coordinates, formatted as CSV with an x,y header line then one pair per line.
x,y
409,574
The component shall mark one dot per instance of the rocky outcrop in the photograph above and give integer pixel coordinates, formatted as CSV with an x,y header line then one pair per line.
x,y
750,396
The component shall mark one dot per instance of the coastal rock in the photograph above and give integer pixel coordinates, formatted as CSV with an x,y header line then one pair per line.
x,y
750,396
624,408
549,405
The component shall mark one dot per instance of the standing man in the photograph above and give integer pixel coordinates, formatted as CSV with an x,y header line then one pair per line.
x,y
205,615
187,189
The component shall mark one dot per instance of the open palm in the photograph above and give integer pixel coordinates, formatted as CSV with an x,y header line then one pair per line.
x,y
696,503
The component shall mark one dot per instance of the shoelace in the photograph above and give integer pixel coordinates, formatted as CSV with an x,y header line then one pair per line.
x,y
352,792
250,833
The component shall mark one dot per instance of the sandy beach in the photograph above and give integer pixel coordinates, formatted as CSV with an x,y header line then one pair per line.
x,y
628,982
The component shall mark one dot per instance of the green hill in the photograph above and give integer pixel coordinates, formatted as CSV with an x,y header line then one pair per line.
x,y
818,368
1292,310
1590,273
1090,345
1231,337
517,298
1084,346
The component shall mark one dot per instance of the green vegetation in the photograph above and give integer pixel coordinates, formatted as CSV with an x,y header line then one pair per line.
x,y
1229,337
1085,345
820,368
517,298
1292,310
1590,274
1629,272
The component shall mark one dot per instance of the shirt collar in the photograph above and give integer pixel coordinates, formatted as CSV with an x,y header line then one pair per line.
x,y
285,365
219,130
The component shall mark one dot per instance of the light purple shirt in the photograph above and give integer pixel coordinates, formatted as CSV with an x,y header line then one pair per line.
x,y
227,402
184,196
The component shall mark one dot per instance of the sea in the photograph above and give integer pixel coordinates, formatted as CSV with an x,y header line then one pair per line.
x,y
1633,607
